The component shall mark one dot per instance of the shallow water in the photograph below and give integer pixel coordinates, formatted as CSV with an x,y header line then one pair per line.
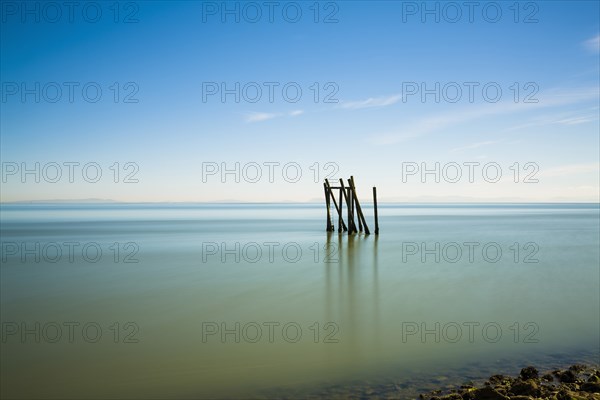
x,y
188,300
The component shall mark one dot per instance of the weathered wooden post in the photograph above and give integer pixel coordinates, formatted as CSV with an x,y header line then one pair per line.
x,y
341,219
355,205
327,204
361,218
375,209
338,209
351,226
351,198
350,210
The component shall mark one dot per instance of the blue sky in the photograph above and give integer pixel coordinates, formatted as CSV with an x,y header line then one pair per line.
x,y
367,61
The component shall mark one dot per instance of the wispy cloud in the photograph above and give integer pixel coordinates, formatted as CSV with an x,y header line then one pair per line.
x,y
572,169
593,44
259,116
372,102
263,116
565,118
436,122
475,145
575,120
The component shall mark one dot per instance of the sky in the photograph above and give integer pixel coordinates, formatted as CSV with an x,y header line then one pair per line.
x,y
189,101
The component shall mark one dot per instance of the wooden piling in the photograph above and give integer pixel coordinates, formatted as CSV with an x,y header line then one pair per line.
x,y
361,218
350,214
355,205
351,227
351,197
375,209
327,204
341,220
338,209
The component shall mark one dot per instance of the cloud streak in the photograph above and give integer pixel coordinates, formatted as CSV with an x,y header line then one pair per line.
x,y
565,118
264,116
475,145
593,44
259,116
372,102
440,121
572,169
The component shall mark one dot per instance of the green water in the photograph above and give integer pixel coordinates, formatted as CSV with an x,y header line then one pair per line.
x,y
184,313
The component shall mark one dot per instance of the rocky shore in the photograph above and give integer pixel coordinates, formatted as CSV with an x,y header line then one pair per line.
x,y
578,382
573,375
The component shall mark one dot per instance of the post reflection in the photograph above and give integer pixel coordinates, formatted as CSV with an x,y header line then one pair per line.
x,y
354,298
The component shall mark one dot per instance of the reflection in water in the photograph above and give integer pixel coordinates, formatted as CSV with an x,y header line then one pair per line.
x,y
361,313
375,294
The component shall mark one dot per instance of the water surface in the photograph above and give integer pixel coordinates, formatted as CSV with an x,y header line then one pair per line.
x,y
442,287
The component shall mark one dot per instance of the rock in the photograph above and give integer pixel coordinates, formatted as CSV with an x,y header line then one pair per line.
x,y
547,391
562,395
594,379
499,379
525,388
547,378
529,373
567,377
501,389
578,382
452,396
590,387
468,393
487,393
568,395
577,368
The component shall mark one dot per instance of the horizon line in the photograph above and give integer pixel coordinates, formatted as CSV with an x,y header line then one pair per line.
x,y
108,201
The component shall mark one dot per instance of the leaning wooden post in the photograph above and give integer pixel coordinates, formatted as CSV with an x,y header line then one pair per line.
x,y
351,227
338,209
360,216
351,198
354,204
340,219
375,209
350,215
327,204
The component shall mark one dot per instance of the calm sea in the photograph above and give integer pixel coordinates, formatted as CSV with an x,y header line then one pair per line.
x,y
244,300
